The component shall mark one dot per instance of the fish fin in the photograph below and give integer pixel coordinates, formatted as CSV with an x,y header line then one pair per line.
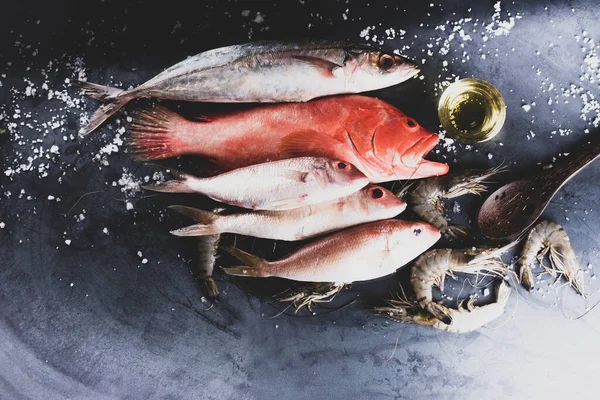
x,y
246,258
326,67
439,311
112,98
96,91
153,133
196,230
242,270
201,118
181,183
252,263
308,143
206,217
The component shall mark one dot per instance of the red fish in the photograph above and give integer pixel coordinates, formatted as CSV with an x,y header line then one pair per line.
x,y
377,138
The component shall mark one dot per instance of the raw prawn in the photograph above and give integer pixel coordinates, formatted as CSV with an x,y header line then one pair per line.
x,y
426,198
549,236
463,320
431,268
308,294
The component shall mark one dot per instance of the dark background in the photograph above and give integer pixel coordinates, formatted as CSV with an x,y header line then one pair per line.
x,y
89,319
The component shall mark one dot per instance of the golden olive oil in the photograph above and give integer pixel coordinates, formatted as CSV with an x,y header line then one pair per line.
x,y
472,110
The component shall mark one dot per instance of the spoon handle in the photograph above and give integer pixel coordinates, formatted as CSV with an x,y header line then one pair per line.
x,y
554,178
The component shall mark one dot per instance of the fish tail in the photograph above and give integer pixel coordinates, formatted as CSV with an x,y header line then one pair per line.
x,y
206,221
253,264
112,98
154,134
183,183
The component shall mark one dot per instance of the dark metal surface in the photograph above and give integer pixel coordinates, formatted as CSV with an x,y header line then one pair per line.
x,y
83,316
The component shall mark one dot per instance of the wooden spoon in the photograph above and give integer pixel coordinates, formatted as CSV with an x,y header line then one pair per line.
x,y
513,208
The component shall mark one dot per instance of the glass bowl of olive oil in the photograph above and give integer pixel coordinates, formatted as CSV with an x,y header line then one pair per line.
x,y
472,110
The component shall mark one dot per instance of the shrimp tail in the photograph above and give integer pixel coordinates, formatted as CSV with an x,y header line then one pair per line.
x,y
526,277
439,311
253,264
211,287
456,231
112,98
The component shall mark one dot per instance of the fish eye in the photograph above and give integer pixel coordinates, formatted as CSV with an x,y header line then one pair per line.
x,y
411,122
386,62
376,193
341,165
417,231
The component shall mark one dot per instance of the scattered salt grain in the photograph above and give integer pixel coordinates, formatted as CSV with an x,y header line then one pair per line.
x,y
145,261
68,242
105,231
128,206
2,225
486,292
526,107
456,207
490,156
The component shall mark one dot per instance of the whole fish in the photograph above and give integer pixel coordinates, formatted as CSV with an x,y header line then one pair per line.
x,y
361,253
371,203
380,140
263,72
277,185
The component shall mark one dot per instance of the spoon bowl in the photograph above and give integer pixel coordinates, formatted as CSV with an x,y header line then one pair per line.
x,y
513,208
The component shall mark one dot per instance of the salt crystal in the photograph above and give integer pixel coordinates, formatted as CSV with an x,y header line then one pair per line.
x,y
2,225
105,231
68,242
139,253
144,261
490,156
526,107
128,206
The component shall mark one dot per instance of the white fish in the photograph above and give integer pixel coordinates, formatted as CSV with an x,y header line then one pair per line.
x,y
371,203
263,72
276,185
362,253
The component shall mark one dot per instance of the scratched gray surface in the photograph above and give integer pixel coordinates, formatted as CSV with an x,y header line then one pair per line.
x,y
89,320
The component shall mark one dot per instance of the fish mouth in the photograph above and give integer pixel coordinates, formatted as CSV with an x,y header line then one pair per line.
x,y
414,159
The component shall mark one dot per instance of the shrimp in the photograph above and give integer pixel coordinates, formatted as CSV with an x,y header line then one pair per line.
x,y
311,293
463,320
549,236
431,268
426,198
